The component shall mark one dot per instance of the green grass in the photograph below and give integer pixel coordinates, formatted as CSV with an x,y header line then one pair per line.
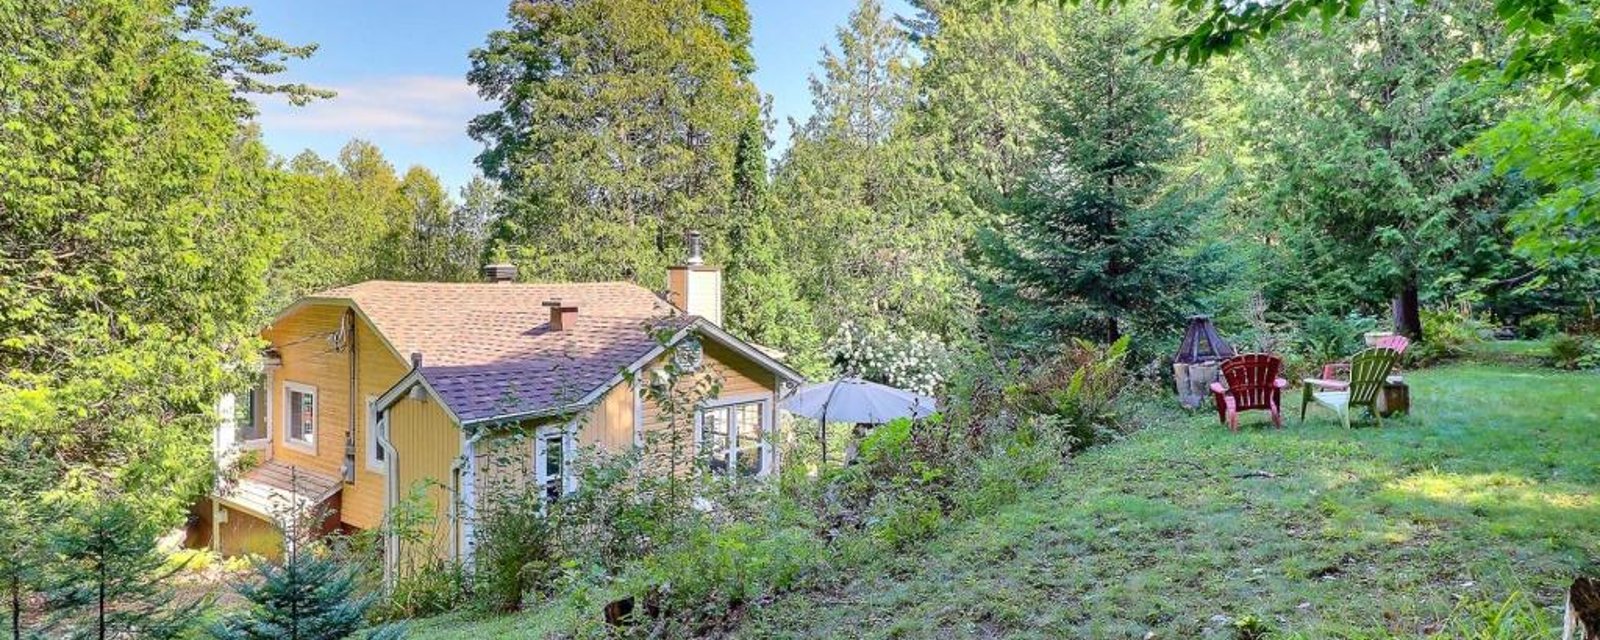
x,y
1488,490
1485,500
1525,352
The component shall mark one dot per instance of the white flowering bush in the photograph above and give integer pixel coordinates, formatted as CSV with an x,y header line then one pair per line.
x,y
912,360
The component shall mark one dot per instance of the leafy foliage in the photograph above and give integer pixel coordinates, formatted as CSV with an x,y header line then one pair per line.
x,y
136,235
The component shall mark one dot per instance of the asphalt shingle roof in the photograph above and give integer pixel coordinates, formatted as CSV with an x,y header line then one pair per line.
x,y
488,349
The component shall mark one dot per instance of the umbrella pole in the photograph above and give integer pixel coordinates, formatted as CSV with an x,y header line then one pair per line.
x,y
825,404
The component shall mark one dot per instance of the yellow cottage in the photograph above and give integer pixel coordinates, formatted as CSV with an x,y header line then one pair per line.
x,y
380,389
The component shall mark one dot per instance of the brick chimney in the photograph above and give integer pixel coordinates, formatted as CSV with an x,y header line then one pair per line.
x,y
562,317
693,287
500,272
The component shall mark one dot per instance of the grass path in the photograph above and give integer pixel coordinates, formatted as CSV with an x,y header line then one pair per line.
x,y
1491,488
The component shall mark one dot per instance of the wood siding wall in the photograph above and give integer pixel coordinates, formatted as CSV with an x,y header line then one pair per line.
x,y
428,446
301,339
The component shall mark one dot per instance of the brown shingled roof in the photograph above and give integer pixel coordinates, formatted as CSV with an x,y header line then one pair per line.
x,y
488,349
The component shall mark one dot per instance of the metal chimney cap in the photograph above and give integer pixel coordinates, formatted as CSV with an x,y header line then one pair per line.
x,y
696,249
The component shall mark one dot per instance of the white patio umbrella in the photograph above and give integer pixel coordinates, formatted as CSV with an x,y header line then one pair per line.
x,y
856,400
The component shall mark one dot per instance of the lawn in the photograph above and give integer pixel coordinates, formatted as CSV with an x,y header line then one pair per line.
x,y
1488,493
1490,489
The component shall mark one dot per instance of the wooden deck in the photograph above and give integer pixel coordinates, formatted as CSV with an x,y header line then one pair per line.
x,y
275,489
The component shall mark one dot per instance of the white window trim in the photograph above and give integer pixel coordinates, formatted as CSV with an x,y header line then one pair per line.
x,y
316,427
373,463
569,451
733,449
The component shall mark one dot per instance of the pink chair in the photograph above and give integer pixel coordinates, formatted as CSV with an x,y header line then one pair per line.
x,y
1334,374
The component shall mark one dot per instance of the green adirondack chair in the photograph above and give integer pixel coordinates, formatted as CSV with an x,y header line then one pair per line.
x,y
1368,370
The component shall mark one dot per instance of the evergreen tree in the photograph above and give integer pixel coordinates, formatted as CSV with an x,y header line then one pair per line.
x,y
135,235
616,131
1372,202
309,595
111,578
876,239
762,298
306,597
25,474
1094,243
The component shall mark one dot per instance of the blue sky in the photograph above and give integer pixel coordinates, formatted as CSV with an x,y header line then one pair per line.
x,y
400,70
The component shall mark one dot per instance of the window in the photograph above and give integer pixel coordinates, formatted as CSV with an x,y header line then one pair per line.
x,y
733,436
251,417
375,422
300,415
554,451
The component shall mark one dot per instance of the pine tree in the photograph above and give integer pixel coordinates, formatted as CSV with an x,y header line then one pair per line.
x,y
112,582
25,474
1094,241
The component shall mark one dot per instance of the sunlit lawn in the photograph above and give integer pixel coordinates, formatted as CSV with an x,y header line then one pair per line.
x,y
1491,488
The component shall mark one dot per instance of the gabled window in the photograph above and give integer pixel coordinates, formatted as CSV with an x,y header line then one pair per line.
x,y
555,449
734,437
300,415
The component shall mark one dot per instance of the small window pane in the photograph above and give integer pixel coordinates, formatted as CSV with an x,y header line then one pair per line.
x,y
377,447
714,438
554,466
302,416
249,415
748,419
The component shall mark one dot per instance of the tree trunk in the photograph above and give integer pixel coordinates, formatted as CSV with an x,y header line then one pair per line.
x,y
16,607
1407,312
102,602
1583,610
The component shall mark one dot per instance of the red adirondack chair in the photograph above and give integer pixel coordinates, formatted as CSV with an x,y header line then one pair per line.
x,y
1252,383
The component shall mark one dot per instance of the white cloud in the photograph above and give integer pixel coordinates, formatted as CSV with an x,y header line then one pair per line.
x,y
417,109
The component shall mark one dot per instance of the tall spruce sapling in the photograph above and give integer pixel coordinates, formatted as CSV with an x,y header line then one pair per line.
x,y
110,580
1097,240
309,595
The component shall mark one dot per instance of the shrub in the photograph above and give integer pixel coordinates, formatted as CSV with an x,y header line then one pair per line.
x,y
515,550
434,589
910,359
1328,338
706,576
1572,352
1447,334
1078,390
1540,325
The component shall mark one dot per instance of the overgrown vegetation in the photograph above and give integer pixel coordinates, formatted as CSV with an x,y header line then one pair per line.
x,y
986,198
1466,519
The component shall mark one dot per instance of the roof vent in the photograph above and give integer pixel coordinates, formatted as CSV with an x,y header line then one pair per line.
x,y
562,317
500,272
